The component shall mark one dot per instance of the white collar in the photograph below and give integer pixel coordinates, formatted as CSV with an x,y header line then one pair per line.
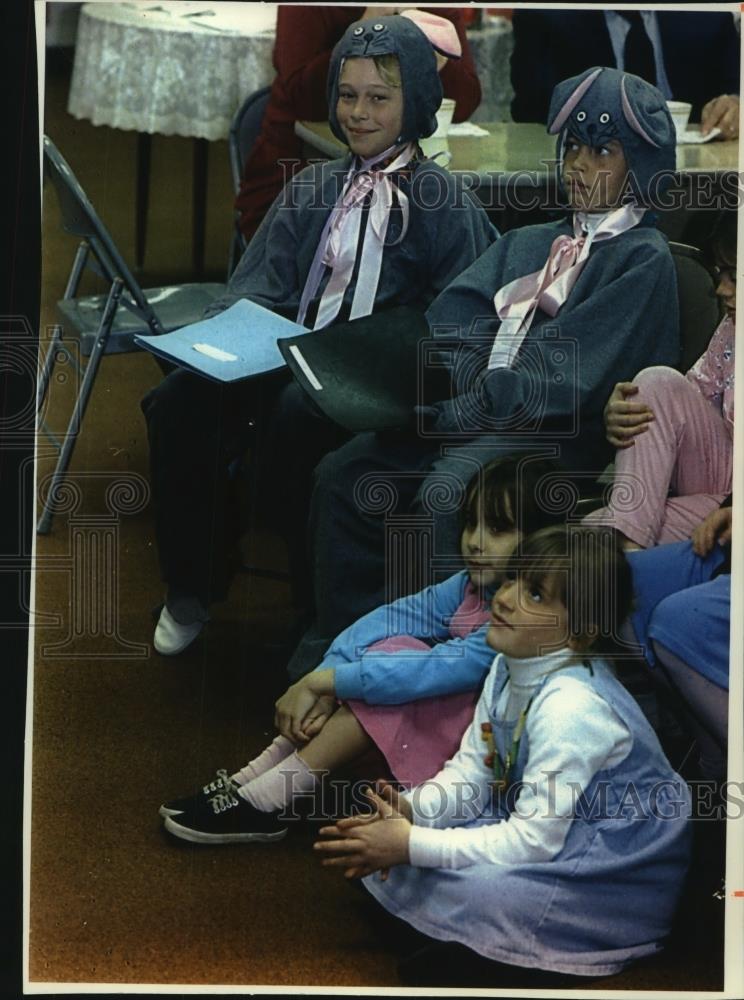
x,y
590,221
530,671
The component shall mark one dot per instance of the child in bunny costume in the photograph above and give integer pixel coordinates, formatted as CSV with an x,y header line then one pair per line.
x,y
547,320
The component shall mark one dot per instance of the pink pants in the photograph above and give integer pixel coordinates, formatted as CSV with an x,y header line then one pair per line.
x,y
686,450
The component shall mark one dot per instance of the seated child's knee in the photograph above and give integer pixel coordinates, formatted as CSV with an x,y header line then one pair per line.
x,y
328,471
183,398
659,378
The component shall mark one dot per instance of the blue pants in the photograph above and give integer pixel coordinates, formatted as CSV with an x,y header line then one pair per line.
x,y
682,606
682,618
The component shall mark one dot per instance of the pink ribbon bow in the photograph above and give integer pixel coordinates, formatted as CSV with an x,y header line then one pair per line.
x,y
339,241
548,288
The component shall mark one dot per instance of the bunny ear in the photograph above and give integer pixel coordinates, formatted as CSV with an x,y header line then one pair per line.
x,y
631,118
440,32
565,98
645,111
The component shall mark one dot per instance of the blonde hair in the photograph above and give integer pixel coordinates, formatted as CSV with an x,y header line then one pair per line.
x,y
389,69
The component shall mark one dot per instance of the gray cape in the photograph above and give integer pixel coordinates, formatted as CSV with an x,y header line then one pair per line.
x,y
621,316
448,229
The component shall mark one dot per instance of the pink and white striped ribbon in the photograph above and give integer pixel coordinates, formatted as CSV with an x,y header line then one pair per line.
x,y
548,288
339,241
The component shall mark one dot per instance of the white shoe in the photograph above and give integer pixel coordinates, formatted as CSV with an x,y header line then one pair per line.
x,y
171,637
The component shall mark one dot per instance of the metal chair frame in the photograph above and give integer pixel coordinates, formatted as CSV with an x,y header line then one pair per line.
x,y
244,130
98,253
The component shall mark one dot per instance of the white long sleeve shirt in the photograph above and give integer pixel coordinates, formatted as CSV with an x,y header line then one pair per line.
x,y
573,733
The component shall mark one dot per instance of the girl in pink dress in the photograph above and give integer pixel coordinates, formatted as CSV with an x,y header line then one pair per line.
x,y
404,678
674,437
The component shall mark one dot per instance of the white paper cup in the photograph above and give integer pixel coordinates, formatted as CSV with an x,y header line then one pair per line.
x,y
444,116
680,112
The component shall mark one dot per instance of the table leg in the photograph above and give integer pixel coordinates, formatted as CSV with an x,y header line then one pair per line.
x,y
199,203
144,149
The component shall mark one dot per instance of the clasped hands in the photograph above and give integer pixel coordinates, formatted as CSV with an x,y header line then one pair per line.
x,y
306,706
371,842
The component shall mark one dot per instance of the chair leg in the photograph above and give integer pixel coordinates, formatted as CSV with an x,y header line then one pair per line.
x,y
199,203
45,371
78,265
81,403
144,153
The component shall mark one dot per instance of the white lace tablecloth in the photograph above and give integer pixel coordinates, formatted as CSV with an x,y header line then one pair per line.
x,y
170,68
184,68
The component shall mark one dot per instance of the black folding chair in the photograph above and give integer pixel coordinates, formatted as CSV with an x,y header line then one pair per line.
x,y
244,130
699,307
106,323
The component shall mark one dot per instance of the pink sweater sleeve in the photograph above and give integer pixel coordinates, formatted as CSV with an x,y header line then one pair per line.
x,y
713,372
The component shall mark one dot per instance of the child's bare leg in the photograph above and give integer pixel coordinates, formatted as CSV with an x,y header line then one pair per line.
x,y
629,545
340,741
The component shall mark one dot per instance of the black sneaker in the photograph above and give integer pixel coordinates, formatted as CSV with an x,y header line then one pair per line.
x,y
225,818
222,783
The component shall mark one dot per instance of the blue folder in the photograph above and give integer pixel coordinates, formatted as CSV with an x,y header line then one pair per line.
x,y
235,344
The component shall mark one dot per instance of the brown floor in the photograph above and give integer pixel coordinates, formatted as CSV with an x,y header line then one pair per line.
x,y
117,728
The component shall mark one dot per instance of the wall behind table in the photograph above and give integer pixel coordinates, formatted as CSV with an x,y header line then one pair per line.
x,y
491,46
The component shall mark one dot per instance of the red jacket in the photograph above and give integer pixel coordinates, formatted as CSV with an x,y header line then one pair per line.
x,y
305,37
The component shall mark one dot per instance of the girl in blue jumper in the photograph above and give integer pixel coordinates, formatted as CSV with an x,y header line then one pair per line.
x,y
557,837
408,675
381,227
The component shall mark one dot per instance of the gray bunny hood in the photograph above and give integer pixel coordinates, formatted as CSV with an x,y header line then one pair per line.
x,y
422,88
603,104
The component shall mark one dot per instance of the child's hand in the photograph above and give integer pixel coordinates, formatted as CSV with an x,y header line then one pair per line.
x,y
717,527
293,708
366,844
390,794
309,696
394,798
624,420
317,717
723,113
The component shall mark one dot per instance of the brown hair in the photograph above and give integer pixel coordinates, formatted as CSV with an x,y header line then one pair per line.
x,y
507,491
723,238
594,579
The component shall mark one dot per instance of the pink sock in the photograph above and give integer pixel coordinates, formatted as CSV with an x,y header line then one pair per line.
x,y
274,753
276,788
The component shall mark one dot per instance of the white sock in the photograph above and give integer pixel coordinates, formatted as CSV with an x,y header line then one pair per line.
x,y
274,753
276,788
